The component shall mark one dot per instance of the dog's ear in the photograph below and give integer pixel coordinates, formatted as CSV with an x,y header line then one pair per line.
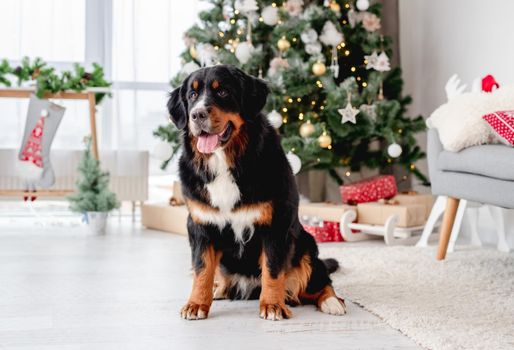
x,y
255,93
177,109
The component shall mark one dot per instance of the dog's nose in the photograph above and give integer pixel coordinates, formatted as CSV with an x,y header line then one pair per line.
x,y
200,115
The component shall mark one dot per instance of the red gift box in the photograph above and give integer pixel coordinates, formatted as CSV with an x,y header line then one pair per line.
x,y
327,232
369,190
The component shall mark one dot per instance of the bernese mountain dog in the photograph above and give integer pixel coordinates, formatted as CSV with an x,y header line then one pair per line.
x,y
245,236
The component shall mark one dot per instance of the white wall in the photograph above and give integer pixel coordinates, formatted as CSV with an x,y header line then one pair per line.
x,y
441,37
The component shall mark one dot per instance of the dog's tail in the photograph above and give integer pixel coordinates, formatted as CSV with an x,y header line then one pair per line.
x,y
331,264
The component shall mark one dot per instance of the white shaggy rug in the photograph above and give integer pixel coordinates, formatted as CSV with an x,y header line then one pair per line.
x,y
464,302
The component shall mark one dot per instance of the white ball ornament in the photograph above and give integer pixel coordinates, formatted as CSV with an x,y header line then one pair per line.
x,y
244,52
162,151
294,161
362,5
309,36
189,68
275,119
313,48
270,15
394,150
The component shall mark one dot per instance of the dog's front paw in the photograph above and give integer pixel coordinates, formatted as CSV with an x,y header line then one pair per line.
x,y
193,311
333,306
275,312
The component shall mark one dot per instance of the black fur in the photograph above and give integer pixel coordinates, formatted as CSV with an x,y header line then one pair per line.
x,y
176,109
262,174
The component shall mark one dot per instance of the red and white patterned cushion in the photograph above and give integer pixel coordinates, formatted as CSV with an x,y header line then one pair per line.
x,y
502,123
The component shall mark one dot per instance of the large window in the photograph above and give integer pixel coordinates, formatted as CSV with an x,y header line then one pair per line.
x,y
138,43
51,29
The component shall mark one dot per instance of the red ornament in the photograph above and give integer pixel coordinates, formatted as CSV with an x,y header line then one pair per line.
x,y
488,82
369,190
503,123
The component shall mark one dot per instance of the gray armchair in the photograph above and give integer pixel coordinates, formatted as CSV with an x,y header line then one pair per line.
x,y
482,174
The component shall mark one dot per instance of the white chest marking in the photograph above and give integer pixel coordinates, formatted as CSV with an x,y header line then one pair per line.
x,y
224,194
223,191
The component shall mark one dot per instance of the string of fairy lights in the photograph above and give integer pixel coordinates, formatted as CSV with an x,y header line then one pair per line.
x,y
318,69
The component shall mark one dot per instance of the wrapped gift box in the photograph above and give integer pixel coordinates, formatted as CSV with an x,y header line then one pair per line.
x,y
376,213
164,217
327,231
408,198
324,211
369,190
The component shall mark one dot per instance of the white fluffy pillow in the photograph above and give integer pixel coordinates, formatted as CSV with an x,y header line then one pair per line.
x,y
459,121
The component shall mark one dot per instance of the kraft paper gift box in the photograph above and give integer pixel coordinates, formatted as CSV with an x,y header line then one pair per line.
x,y
427,200
324,211
164,217
376,213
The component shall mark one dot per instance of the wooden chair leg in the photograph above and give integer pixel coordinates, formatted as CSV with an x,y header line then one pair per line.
x,y
446,228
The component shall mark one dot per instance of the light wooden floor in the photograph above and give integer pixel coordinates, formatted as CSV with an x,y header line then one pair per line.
x,y
62,289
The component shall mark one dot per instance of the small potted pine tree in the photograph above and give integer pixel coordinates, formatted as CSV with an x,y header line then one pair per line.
x,y
93,197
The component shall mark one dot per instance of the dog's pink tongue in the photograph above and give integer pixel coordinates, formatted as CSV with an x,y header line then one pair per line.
x,y
207,143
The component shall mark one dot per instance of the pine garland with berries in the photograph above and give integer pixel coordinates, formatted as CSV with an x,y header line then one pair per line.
x,y
47,80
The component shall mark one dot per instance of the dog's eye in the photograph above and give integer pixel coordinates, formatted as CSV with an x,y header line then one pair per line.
x,y
193,95
222,93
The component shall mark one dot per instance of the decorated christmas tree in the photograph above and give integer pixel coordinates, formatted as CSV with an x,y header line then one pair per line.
x,y
92,193
335,99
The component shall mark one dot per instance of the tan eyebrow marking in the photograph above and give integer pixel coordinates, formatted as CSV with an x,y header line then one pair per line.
x,y
195,84
215,84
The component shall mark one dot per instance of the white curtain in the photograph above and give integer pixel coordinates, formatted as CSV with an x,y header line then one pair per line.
x,y
51,29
